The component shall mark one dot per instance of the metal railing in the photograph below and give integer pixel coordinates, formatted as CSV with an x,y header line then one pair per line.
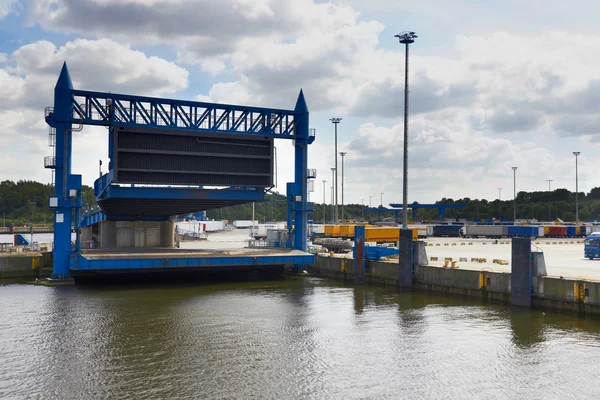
x,y
49,162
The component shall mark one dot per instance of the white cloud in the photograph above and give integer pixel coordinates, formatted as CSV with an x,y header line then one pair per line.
x,y
27,86
490,101
7,7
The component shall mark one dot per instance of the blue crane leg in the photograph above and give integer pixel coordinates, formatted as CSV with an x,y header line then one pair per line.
x,y
63,110
300,173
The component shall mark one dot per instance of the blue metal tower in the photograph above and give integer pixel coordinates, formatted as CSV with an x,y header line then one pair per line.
x,y
131,191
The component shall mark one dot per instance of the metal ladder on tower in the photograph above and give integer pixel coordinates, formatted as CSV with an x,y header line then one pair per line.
x,y
50,161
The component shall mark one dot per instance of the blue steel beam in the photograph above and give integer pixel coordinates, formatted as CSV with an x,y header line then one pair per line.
x,y
441,207
97,108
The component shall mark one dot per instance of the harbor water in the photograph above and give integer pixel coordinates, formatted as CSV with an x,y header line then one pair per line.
x,y
294,338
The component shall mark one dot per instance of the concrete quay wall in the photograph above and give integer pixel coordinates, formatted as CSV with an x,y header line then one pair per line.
x,y
26,265
561,294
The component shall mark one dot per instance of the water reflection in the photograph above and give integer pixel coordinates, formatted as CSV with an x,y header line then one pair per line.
x,y
294,338
527,327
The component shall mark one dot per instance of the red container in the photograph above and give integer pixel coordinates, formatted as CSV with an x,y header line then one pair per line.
x,y
557,231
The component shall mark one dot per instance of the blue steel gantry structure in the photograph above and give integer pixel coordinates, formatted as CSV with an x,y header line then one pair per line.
x,y
171,157
397,208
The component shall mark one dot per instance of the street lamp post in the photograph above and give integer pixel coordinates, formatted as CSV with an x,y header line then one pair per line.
x,y
370,201
381,199
514,194
405,38
333,216
499,200
363,209
576,154
324,204
335,122
343,154
549,200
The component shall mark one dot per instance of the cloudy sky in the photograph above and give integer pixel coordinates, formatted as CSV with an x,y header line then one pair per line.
x,y
494,84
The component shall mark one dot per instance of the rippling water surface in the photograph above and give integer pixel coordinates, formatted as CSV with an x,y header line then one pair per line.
x,y
300,338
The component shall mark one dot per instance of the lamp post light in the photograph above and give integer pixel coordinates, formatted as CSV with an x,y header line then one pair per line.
x,y
343,154
549,200
324,204
514,194
405,38
335,122
499,200
576,154
381,199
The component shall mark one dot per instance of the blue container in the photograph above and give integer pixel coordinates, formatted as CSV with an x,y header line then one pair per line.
x,y
446,230
571,231
523,231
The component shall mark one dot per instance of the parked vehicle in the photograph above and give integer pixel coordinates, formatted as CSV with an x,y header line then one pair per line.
x,y
591,248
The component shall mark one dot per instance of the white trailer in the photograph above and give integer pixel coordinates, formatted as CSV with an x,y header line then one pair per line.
x,y
241,224
487,231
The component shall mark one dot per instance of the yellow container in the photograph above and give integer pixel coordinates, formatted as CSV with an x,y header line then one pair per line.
x,y
347,231
336,231
329,230
578,230
546,230
386,235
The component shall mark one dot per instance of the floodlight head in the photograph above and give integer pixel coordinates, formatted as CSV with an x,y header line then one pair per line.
x,y
335,120
406,37
514,168
576,153
343,153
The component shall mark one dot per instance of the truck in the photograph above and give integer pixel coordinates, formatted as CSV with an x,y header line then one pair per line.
x,y
591,248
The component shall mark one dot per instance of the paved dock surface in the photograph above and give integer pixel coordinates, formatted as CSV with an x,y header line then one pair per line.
x,y
564,257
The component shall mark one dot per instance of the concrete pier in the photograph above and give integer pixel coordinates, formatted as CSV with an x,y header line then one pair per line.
x,y
25,265
546,292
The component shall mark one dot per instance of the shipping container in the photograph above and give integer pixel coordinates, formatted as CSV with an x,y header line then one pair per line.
x,y
421,229
523,231
546,230
557,231
541,231
347,231
446,230
571,231
429,230
589,229
490,231
317,229
386,235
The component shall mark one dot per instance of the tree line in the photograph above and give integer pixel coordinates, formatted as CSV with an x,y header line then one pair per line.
x,y
26,201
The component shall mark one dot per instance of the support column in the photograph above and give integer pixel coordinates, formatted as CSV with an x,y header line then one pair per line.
x,y
300,170
521,272
359,254
63,111
405,258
